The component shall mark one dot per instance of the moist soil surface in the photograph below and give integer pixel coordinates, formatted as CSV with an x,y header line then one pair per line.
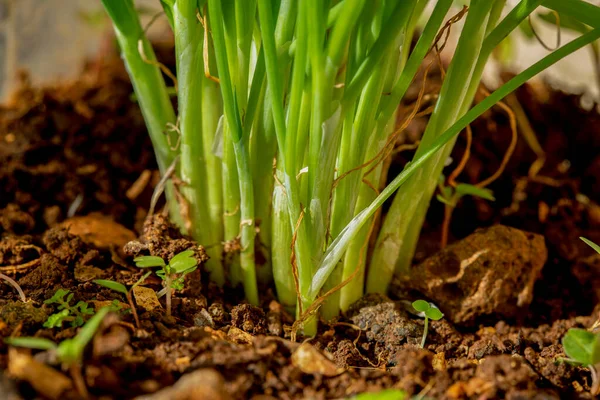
x,y
76,176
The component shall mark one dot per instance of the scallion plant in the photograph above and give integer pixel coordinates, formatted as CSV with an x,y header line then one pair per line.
x,y
286,112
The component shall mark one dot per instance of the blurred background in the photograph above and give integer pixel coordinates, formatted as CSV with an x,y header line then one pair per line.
x,y
51,39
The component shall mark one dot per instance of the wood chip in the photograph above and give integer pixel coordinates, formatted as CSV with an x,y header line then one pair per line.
x,y
146,298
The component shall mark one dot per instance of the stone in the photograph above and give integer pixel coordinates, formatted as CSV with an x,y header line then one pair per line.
x,y
490,272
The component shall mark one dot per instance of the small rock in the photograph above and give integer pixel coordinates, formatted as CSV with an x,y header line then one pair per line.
x,y
86,273
492,271
238,336
384,321
218,314
202,384
249,318
311,361
13,313
203,318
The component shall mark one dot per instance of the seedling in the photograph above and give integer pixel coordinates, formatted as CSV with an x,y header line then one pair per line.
x,y
119,287
69,352
427,311
582,347
76,314
172,273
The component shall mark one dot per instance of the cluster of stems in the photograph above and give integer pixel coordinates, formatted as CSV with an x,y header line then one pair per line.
x,y
286,114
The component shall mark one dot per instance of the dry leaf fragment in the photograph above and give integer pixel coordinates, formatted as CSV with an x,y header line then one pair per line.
x,y
146,298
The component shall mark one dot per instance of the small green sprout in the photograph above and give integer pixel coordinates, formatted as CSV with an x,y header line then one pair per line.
x,y
428,311
582,347
76,314
172,273
69,352
119,287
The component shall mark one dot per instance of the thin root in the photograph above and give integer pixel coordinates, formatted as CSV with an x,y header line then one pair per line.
x,y
539,39
295,266
205,43
14,284
160,188
158,64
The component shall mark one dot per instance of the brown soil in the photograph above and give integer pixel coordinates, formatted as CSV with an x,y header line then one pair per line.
x,y
82,146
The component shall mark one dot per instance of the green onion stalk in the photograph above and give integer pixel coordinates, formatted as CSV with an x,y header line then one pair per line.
x,y
286,114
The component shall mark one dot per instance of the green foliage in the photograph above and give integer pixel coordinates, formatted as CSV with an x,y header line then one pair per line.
x,y
388,394
172,273
314,85
31,343
76,314
451,195
117,307
69,351
582,346
112,285
149,261
429,310
591,244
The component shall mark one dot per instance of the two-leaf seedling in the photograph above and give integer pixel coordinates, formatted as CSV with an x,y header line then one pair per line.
x,y
69,352
427,311
76,314
172,273
120,288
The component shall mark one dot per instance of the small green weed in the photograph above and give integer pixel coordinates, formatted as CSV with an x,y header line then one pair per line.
x,y
76,314
428,311
172,273
120,288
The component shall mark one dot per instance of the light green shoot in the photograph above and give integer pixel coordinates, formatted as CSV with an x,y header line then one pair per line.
x,y
172,273
428,311
69,351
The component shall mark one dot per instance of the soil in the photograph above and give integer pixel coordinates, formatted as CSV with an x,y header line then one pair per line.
x,y
80,149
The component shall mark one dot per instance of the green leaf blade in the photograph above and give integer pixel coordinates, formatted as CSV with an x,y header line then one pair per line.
x,y
464,189
149,262
421,306
31,343
591,244
582,346
112,285
434,313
